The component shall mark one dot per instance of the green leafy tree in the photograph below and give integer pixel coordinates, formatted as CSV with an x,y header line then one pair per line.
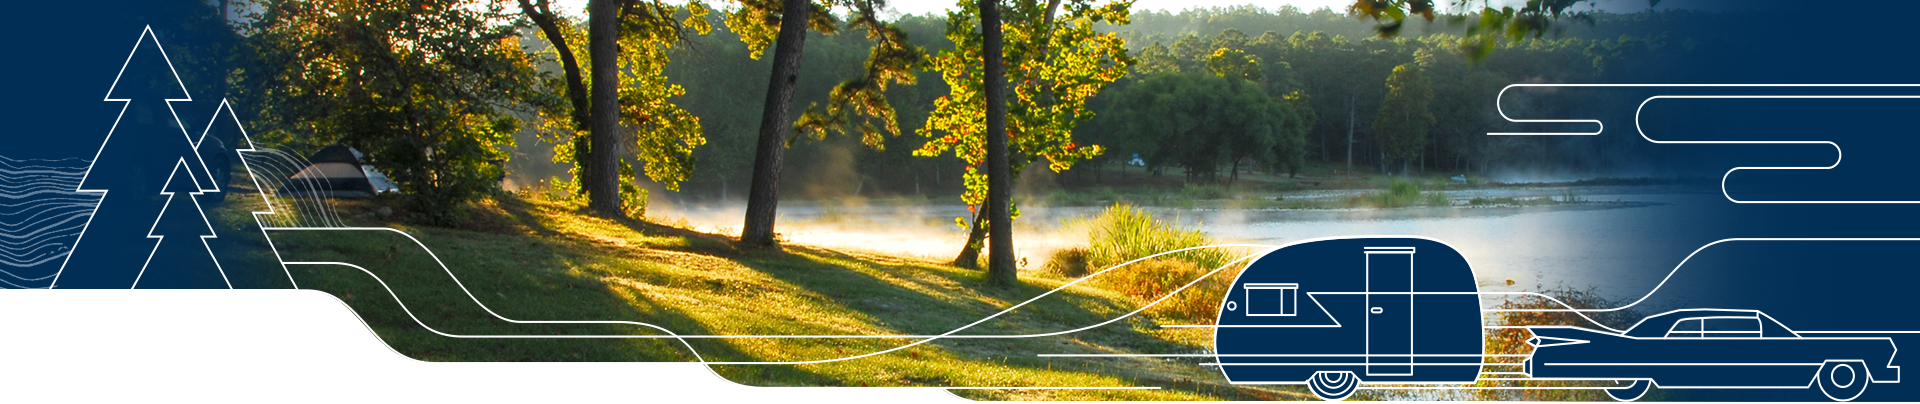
x,y
1056,63
1202,122
1290,148
631,109
1235,64
1191,51
422,89
1405,116
1156,59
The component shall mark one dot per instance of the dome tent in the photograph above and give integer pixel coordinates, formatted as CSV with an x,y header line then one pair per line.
x,y
337,171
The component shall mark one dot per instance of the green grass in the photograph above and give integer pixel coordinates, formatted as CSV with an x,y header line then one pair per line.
x,y
535,259
1400,192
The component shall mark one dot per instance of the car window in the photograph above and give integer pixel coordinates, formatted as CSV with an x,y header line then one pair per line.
x,y
1688,328
1731,328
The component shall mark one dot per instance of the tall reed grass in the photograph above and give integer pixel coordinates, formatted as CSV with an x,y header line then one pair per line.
x,y
1124,233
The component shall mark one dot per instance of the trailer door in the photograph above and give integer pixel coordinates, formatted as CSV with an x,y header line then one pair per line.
x,y
1389,311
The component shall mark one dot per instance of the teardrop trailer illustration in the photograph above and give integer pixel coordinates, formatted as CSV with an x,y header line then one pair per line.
x,y
1335,314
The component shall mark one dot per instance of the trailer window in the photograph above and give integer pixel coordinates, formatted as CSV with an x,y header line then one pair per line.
x,y
1272,299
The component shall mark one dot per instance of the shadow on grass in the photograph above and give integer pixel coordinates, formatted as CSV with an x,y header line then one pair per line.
x,y
695,283
531,289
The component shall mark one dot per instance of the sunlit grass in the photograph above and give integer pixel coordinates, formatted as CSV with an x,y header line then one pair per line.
x,y
537,259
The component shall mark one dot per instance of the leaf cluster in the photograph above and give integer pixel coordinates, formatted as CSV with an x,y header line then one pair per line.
x,y
656,132
1484,26
1056,63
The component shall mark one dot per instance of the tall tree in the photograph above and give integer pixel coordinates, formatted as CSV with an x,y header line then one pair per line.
x,y
1405,115
1000,266
603,44
1056,64
626,42
1291,147
785,24
764,194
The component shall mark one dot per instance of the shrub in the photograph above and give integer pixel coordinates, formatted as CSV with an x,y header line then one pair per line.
x,y
1069,262
1152,279
1123,233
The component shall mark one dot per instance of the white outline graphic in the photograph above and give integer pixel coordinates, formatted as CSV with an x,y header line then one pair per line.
x,y
1756,315
255,178
49,212
145,32
162,240
922,338
1839,154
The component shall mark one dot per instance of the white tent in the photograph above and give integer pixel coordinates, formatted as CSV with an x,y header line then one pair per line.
x,y
337,171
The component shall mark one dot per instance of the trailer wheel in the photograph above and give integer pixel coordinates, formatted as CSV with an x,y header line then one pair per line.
x,y
1843,380
1333,386
1631,391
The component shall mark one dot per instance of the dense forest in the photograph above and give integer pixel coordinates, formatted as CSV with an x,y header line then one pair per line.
x,y
1322,68
448,99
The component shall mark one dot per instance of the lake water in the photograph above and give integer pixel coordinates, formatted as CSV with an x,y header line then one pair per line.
x,y
1622,242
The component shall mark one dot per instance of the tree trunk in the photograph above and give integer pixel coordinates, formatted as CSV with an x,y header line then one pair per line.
x,y
543,17
1000,262
976,236
603,36
1233,175
1349,133
776,121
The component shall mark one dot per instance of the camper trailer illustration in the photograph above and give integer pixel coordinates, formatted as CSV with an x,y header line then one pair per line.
x,y
1335,314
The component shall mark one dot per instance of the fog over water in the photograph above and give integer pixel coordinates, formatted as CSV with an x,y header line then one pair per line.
x,y
1622,242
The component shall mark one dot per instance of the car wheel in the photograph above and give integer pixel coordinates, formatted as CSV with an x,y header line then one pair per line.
x,y
1843,380
1631,391
1333,386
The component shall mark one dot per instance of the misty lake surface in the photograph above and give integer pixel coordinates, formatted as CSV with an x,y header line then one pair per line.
x,y
1622,241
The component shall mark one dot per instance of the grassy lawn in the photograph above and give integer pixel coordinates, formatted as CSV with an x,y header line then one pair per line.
x,y
532,259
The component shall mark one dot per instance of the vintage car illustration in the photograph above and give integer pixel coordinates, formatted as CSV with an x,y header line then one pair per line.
x,y
1711,349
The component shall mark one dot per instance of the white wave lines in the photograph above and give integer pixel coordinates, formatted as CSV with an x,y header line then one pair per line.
x,y
41,214
275,172
683,338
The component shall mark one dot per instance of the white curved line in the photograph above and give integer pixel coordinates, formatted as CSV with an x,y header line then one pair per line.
x,y
1838,153
1723,178
924,338
1503,114
416,320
